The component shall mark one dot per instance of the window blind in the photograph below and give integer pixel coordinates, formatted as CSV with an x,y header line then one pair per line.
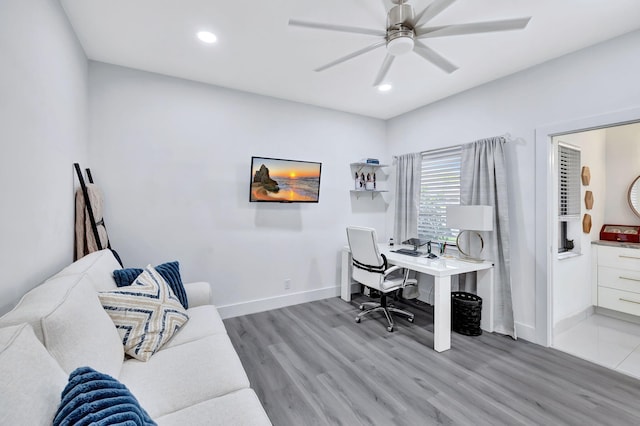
x,y
568,182
439,187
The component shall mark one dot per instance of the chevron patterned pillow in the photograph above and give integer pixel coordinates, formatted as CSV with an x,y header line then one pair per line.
x,y
147,313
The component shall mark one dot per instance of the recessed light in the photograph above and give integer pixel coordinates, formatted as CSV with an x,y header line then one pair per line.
x,y
207,37
384,87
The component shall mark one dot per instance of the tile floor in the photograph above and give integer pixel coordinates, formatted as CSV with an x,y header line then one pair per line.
x,y
606,341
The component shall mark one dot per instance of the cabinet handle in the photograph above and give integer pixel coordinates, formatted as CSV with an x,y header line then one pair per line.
x,y
629,279
629,257
630,301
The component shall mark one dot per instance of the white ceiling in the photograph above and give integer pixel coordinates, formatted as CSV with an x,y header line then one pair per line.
x,y
258,52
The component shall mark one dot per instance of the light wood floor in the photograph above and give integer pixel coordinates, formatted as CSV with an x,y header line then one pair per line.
x,y
311,364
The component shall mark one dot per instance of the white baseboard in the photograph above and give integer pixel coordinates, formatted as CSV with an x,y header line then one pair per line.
x,y
276,302
526,332
572,320
618,315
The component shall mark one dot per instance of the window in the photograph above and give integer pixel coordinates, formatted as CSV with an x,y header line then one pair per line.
x,y
568,182
439,187
568,193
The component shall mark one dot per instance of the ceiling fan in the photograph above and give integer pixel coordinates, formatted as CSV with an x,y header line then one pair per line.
x,y
405,30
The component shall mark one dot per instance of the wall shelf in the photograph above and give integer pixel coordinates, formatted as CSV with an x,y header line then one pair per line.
x,y
368,168
361,166
365,191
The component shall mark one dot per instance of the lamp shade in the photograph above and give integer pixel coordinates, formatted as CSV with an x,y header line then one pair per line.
x,y
472,218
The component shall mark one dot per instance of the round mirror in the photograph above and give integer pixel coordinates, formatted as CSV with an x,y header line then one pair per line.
x,y
634,196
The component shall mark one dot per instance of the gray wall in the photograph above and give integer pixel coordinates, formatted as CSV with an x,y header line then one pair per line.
x,y
43,130
176,156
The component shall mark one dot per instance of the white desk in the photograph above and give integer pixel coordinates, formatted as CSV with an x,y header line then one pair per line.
x,y
441,269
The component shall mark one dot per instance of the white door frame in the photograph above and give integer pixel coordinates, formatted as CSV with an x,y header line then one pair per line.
x,y
544,213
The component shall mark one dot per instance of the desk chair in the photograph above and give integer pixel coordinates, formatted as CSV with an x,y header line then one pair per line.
x,y
370,269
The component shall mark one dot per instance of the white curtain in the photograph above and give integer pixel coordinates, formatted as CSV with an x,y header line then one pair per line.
x,y
483,181
408,169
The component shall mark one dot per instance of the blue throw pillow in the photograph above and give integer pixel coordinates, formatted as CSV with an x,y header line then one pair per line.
x,y
170,271
93,398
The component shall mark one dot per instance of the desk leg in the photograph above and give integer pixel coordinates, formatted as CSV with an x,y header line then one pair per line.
x,y
442,314
485,291
345,281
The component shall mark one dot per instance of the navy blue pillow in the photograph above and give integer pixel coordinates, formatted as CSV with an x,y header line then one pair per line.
x,y
95,398
170,271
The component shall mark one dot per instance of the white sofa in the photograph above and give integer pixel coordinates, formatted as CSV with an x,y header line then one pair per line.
x,y
195,379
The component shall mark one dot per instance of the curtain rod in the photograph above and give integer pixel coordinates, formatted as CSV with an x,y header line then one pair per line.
x,y
507,138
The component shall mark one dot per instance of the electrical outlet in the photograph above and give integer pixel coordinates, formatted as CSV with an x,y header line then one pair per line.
x,y
287,284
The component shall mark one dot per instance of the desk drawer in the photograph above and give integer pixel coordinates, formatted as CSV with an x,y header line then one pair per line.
x,y
618,300
619,257
620,279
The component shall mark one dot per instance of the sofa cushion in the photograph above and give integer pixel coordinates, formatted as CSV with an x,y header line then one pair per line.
x,y
31,380
94,269
240,408
79,332
95,398
97,265
39,302
170,271
181,376
147,314
203,321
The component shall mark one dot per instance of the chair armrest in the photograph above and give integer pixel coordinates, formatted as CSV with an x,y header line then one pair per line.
x,y
198,293
392,269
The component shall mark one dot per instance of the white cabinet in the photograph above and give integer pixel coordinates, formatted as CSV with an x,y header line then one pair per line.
x,y
617,277
369,175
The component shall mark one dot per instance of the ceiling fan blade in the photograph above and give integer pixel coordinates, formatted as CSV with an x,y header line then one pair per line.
x,y
434,57
352,55
332,27
431,11
472,28
384,69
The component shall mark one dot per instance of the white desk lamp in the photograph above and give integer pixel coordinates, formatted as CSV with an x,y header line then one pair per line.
x,y
470,219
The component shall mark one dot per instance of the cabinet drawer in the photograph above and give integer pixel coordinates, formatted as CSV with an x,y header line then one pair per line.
x,y
619,300
620,279
618,257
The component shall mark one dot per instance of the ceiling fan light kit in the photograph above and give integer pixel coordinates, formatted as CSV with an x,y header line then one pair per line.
x,y
404,31
400,45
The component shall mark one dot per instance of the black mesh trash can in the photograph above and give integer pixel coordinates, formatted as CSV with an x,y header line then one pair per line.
x,y
466,310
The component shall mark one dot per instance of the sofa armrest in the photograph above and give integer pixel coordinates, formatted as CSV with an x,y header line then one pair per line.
x,y
198,293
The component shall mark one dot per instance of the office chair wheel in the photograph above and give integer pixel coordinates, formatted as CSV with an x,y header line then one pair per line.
x,y
390,328
410,319
362,307
358,320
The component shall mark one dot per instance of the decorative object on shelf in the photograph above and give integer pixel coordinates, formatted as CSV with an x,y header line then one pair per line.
x,y
634,196
369,183
585,175
588,200
470,220
623,233
586,223
365,178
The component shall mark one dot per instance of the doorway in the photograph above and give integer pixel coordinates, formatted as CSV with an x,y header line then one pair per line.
x,y
563,284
